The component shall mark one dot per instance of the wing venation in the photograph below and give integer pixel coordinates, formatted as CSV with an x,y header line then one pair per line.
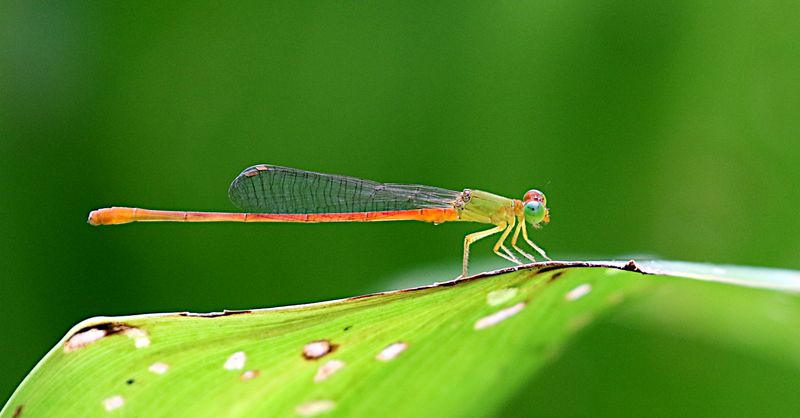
x,y
274,189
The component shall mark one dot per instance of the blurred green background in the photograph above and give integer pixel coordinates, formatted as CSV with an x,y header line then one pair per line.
x,y
667,129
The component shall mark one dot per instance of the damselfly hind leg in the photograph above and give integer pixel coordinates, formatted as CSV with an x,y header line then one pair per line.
x,y
469,239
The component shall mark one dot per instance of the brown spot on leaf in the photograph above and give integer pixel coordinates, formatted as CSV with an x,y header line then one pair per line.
x,y
93,333
18,412
318,349
249,375
632,266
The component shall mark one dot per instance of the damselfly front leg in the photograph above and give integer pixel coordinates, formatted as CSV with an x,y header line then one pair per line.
x,y
534,246
520,225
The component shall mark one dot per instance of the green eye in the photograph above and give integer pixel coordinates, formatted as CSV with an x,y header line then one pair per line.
x,y
534,212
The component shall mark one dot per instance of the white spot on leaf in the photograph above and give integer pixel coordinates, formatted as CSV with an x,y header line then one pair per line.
x,y
114,402
326,370
317,349
501,296
499,316
158,368
313,408
392,351
578,292
142,342
236,361
140,338
83,339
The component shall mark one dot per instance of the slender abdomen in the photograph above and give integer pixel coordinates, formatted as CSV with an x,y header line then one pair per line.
x,y
122,215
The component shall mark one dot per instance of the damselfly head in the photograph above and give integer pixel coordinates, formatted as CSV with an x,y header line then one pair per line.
x,y
535,210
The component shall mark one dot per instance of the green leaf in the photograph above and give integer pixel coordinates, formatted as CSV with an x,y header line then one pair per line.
x,y
461,348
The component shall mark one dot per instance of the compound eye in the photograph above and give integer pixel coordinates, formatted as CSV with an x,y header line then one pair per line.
x,y
534,195
535,212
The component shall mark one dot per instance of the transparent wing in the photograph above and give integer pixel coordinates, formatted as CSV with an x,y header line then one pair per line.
x,y
274,189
